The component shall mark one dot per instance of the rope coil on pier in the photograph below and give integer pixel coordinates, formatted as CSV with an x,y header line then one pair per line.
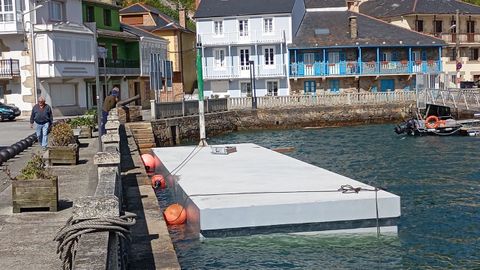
x,y
69,235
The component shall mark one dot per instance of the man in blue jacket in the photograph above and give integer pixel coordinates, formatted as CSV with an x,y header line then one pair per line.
x,y
42,116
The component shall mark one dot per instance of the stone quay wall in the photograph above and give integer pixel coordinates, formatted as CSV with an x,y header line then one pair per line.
x,y
173,131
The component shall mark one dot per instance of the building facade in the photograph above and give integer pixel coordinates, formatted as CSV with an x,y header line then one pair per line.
x,y
245,46
128,53
181,46
339,50
438,20
61,48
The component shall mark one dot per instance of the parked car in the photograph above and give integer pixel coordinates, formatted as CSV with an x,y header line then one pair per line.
x,y
8,112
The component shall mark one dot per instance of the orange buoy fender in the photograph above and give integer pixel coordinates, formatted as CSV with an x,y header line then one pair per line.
x,y
158,181
175,214
432,122
149,162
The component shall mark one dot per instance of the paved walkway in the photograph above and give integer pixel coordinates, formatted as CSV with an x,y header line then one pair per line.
x,y
26,239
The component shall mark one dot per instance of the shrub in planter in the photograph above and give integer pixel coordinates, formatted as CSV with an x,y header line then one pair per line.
x,y
35,187
85,124
63,148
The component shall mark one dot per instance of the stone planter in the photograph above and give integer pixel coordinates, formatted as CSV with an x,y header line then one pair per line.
x,y
35,193
62,155
85,132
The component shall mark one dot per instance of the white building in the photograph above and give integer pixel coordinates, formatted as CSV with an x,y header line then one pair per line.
x,y
64,54
233,34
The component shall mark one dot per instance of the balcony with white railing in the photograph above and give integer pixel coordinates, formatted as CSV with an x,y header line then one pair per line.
x,y
348,68
462,37
242,72
238,38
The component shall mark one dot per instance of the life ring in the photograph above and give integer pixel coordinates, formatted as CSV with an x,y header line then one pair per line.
x,y
432,122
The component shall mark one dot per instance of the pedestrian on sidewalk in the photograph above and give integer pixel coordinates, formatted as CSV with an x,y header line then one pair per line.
x,y
109,103
42,117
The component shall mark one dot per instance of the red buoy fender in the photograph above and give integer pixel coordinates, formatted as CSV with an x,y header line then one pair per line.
x,y
149,162
158,181
175,214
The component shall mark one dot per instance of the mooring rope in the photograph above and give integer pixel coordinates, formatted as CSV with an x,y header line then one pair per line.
x,y
69,234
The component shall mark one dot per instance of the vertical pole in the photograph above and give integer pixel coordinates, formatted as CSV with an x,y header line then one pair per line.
x,y
201,105
439,67
254,87
410,66
33,19
457,47
360,65
378,60
97,85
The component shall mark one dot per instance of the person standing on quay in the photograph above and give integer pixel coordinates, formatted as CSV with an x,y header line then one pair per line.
x,y
109,103
42,116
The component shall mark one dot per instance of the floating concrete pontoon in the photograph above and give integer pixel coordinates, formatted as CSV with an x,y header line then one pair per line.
x,y
256,191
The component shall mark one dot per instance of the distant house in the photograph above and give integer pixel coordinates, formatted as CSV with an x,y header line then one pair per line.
x,y
437,18
181,48
339,50
127,62
245,39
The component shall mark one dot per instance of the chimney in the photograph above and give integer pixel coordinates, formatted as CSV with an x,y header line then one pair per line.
x,y
197,3
353,27
182,18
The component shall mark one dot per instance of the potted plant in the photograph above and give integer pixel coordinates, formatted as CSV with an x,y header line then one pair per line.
x,y
62,146
85,124
35,187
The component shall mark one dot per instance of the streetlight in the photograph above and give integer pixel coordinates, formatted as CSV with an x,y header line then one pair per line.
x,y
251,64
458,64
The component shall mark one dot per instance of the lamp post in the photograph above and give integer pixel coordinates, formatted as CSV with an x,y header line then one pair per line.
x,y
458,64
251,64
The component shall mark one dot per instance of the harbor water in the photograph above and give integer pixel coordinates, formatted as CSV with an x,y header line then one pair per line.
x,y
438,179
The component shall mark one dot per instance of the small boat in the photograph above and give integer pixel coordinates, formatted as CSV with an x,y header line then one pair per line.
x,y
438,120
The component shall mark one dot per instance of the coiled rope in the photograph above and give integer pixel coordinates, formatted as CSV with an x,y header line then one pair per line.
x,y
69,234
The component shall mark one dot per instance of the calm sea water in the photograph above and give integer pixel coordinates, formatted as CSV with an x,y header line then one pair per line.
x,y
438,179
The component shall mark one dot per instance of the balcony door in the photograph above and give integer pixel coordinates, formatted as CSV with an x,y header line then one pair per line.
x,y
309,60
243,28
244,58
334,60
417,61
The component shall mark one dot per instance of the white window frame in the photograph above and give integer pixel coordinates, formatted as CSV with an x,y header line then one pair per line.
x,y
51,11
271,93
220,24
7,13
243,33
219,63
267,62
244,94
270,29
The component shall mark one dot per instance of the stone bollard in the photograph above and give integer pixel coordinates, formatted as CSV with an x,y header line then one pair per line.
x,y
153,108
108,174
111,141
112,126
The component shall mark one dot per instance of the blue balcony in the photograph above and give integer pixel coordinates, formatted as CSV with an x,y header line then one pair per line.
x,y
354,68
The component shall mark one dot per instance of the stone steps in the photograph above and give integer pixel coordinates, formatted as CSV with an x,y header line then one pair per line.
x,y
143,135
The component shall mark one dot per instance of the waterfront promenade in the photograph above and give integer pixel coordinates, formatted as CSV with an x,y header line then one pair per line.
x,y
26,239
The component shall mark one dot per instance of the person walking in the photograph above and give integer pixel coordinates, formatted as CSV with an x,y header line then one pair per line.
x,y
109,103
42,117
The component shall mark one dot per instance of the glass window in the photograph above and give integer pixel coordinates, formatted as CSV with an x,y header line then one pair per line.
x,y
473,54
243,28
90,14
6,11
56,11
246,88
219,55
269,56
268,25
218,28
419,25
438,26
107,17
272,88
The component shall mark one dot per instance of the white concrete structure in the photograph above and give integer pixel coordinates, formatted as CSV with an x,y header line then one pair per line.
x,y
256,191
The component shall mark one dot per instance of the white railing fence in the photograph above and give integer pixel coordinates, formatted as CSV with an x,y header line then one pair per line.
x,y
468,99
323,100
